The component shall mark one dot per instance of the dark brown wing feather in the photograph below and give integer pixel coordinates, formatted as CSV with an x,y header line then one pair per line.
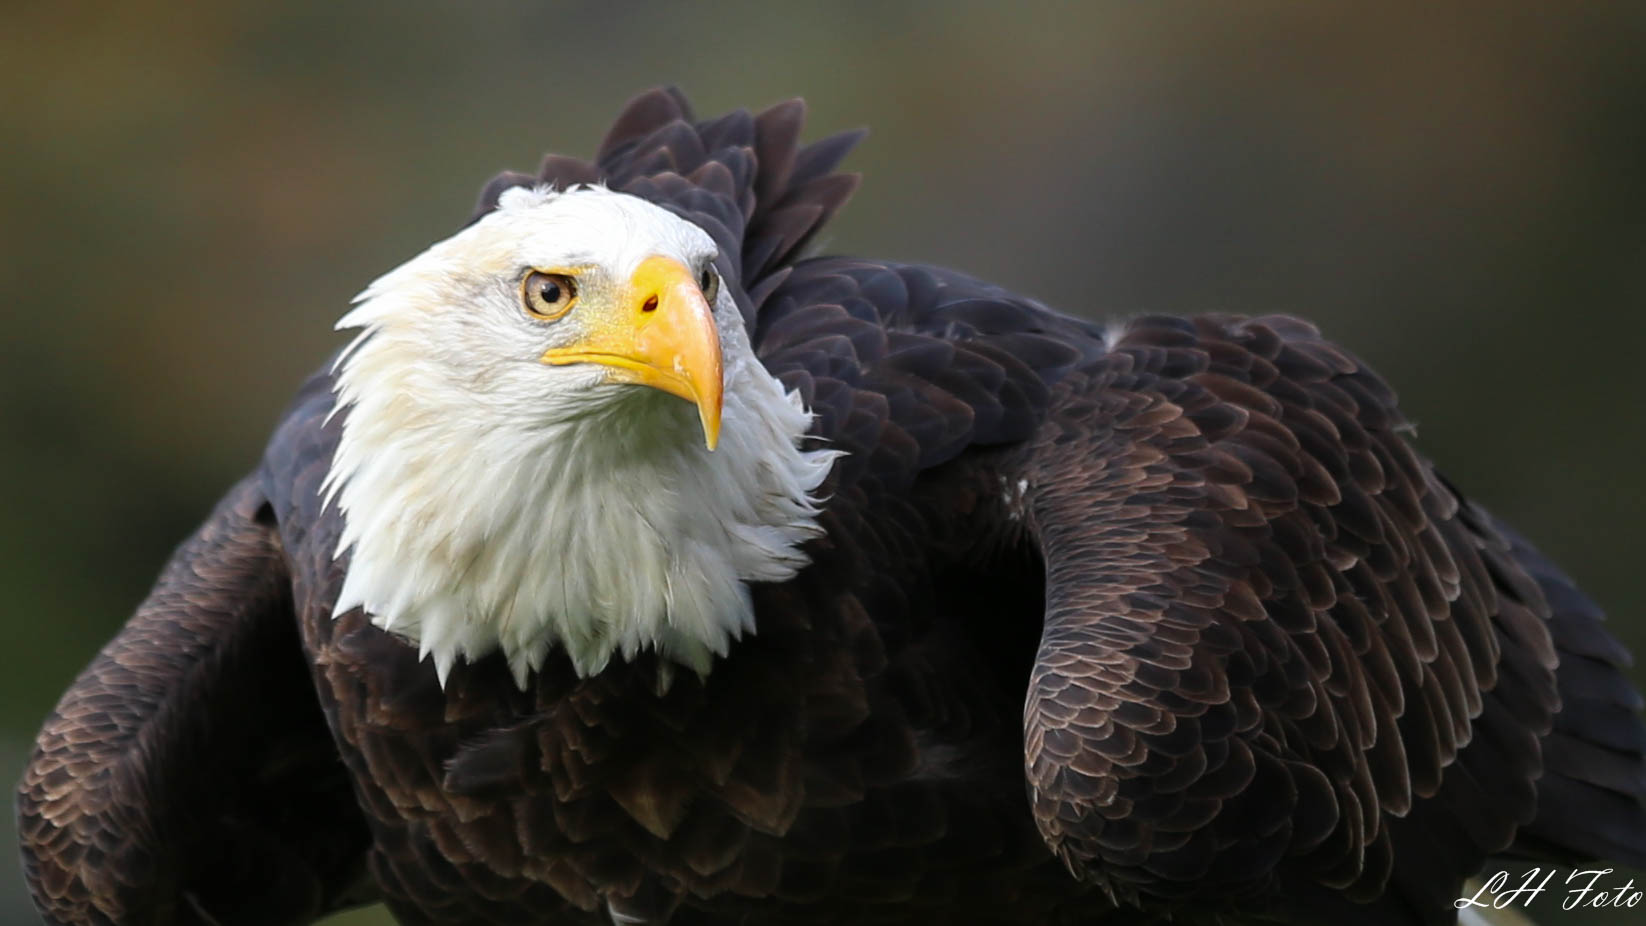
x,y
1280,654
1588,801
187,776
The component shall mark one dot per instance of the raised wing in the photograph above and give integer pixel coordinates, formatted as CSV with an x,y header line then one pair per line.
x,y
188,775
1281,656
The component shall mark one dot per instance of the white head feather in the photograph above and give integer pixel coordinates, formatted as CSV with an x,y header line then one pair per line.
x,y
492,501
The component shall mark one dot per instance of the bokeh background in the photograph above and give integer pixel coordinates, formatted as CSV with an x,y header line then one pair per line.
x,y
190,194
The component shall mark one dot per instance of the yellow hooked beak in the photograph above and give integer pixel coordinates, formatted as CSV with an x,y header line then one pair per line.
x,y
660,333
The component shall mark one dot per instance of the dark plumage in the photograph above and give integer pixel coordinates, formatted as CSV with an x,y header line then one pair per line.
x,y
1186,579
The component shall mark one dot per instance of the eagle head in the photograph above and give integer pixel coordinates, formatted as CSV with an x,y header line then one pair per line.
x,y
556,434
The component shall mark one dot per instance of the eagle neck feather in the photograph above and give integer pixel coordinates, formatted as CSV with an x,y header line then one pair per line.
x,y
607,531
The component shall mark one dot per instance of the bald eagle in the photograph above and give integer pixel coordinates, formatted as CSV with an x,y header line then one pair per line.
x,y
632,566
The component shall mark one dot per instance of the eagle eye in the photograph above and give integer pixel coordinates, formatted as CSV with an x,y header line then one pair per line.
x,y
548,295
709,282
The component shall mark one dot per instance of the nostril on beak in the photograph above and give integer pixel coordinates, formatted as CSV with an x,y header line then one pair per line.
x,y
650,305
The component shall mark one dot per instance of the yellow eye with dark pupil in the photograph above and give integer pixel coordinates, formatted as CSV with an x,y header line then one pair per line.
x,y
548,295
709,283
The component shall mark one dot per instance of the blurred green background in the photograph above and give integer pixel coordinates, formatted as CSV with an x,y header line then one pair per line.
x,y
190,194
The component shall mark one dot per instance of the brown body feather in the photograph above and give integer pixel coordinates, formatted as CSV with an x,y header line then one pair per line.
x,y
1188,580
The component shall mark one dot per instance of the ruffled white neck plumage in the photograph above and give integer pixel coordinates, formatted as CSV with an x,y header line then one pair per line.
x,y
605,528
602,536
